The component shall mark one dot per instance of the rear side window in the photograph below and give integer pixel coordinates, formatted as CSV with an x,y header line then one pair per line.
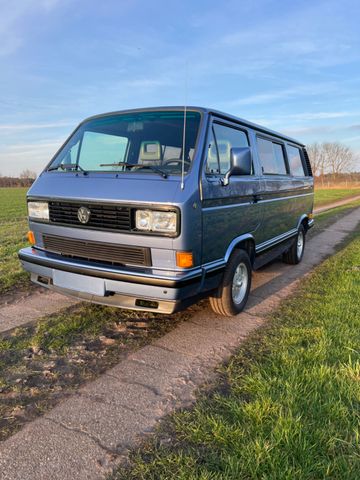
x,y
218,159
295,161
272,157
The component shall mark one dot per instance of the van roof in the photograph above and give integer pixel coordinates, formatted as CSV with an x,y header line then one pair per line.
x,y
204,110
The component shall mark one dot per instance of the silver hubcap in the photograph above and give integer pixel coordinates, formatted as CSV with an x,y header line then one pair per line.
x,y
300,244
240,283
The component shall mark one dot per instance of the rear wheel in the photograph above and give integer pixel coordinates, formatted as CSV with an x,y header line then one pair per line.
x,y
295,253
231,296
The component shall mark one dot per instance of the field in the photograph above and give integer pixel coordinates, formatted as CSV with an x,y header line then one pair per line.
x,y
287,404
324,196
13,228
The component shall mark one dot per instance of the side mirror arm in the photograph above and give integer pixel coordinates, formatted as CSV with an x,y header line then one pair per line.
x,y
226,178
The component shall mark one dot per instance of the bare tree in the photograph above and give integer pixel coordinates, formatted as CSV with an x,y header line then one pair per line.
x,y
339,157
330,157
28,174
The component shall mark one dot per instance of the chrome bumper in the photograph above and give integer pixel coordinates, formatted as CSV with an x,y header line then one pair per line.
x,y
136,289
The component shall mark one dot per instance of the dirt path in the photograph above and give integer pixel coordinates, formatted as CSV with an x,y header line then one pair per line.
x,y
338,203
85,436
30,308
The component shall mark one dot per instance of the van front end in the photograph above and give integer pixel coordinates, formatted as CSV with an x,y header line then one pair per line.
x,y
92,261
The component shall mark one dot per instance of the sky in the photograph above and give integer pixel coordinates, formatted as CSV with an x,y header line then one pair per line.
x,y
293,66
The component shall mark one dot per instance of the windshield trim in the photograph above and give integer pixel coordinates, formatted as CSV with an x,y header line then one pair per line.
x,y
198,110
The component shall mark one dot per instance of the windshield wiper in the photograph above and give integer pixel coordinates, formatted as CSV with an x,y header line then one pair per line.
x,y
116,164
135,166
68,166
151,167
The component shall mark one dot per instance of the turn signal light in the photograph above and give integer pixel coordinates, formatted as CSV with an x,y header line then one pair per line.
x,y
184,259
31,237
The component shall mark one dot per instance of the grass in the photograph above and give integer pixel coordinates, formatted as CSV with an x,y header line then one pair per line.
x,y
324,219
287,404
325,196
43,363
13,228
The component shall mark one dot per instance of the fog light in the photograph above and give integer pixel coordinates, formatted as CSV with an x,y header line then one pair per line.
x,y
184,259
31,237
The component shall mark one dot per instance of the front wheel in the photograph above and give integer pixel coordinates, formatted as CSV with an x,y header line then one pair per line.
x,y
231,296
295,253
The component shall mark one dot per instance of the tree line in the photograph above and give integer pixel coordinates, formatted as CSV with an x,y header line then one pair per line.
x,y
331,159
25,179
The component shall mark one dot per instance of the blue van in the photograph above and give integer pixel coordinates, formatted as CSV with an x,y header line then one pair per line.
x,y
152,209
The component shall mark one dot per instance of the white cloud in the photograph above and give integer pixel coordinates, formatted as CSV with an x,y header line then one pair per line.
x,y
285,93
9,128
15,158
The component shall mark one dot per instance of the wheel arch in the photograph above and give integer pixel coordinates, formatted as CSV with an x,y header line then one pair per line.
x,y
303,220
245,242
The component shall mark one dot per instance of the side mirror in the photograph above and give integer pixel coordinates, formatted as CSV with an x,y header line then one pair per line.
x,y
240,163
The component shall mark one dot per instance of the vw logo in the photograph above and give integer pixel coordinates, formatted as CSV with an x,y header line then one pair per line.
x,y
83,214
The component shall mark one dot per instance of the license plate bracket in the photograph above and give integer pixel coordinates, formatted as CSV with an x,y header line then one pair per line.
x,y
79,283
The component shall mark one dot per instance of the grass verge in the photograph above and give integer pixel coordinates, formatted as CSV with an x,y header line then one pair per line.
x,y
42,364
287,405
13,228
324,219
325,196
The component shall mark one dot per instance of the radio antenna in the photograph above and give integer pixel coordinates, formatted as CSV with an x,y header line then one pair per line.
x,y
184,131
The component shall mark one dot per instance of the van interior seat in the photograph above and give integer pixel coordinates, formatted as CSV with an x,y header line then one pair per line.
x,y
150,153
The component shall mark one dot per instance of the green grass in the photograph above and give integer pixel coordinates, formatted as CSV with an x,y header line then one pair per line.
x,y
326,218
325,196
287,406
13,228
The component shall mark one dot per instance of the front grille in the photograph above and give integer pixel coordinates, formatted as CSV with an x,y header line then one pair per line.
x,y
104,217
96,251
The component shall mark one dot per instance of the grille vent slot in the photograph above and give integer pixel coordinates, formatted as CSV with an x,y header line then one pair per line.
x,y
308,163
95,251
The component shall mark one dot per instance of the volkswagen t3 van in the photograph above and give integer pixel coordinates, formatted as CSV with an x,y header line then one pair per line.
x,y
151,209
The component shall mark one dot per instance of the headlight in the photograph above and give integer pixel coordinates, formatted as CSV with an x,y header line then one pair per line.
x,y
38,210
156,221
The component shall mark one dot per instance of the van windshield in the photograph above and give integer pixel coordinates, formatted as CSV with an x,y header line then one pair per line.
x,y
141,141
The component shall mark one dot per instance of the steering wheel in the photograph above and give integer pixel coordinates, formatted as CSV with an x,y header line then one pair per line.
x,y
176,161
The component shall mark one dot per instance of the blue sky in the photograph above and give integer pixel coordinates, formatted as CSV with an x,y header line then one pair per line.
x,y
293,66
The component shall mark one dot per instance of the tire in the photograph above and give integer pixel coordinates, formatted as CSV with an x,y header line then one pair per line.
x,y
232,294
295,253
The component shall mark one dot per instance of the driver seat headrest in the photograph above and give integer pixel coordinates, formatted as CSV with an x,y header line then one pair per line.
x,y
150,153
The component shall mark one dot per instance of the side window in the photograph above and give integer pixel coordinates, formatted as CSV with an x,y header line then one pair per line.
x,y
212,161
226,139
295,161
272,157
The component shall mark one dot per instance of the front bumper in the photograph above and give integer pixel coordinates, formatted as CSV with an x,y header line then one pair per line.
x,y
132,288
